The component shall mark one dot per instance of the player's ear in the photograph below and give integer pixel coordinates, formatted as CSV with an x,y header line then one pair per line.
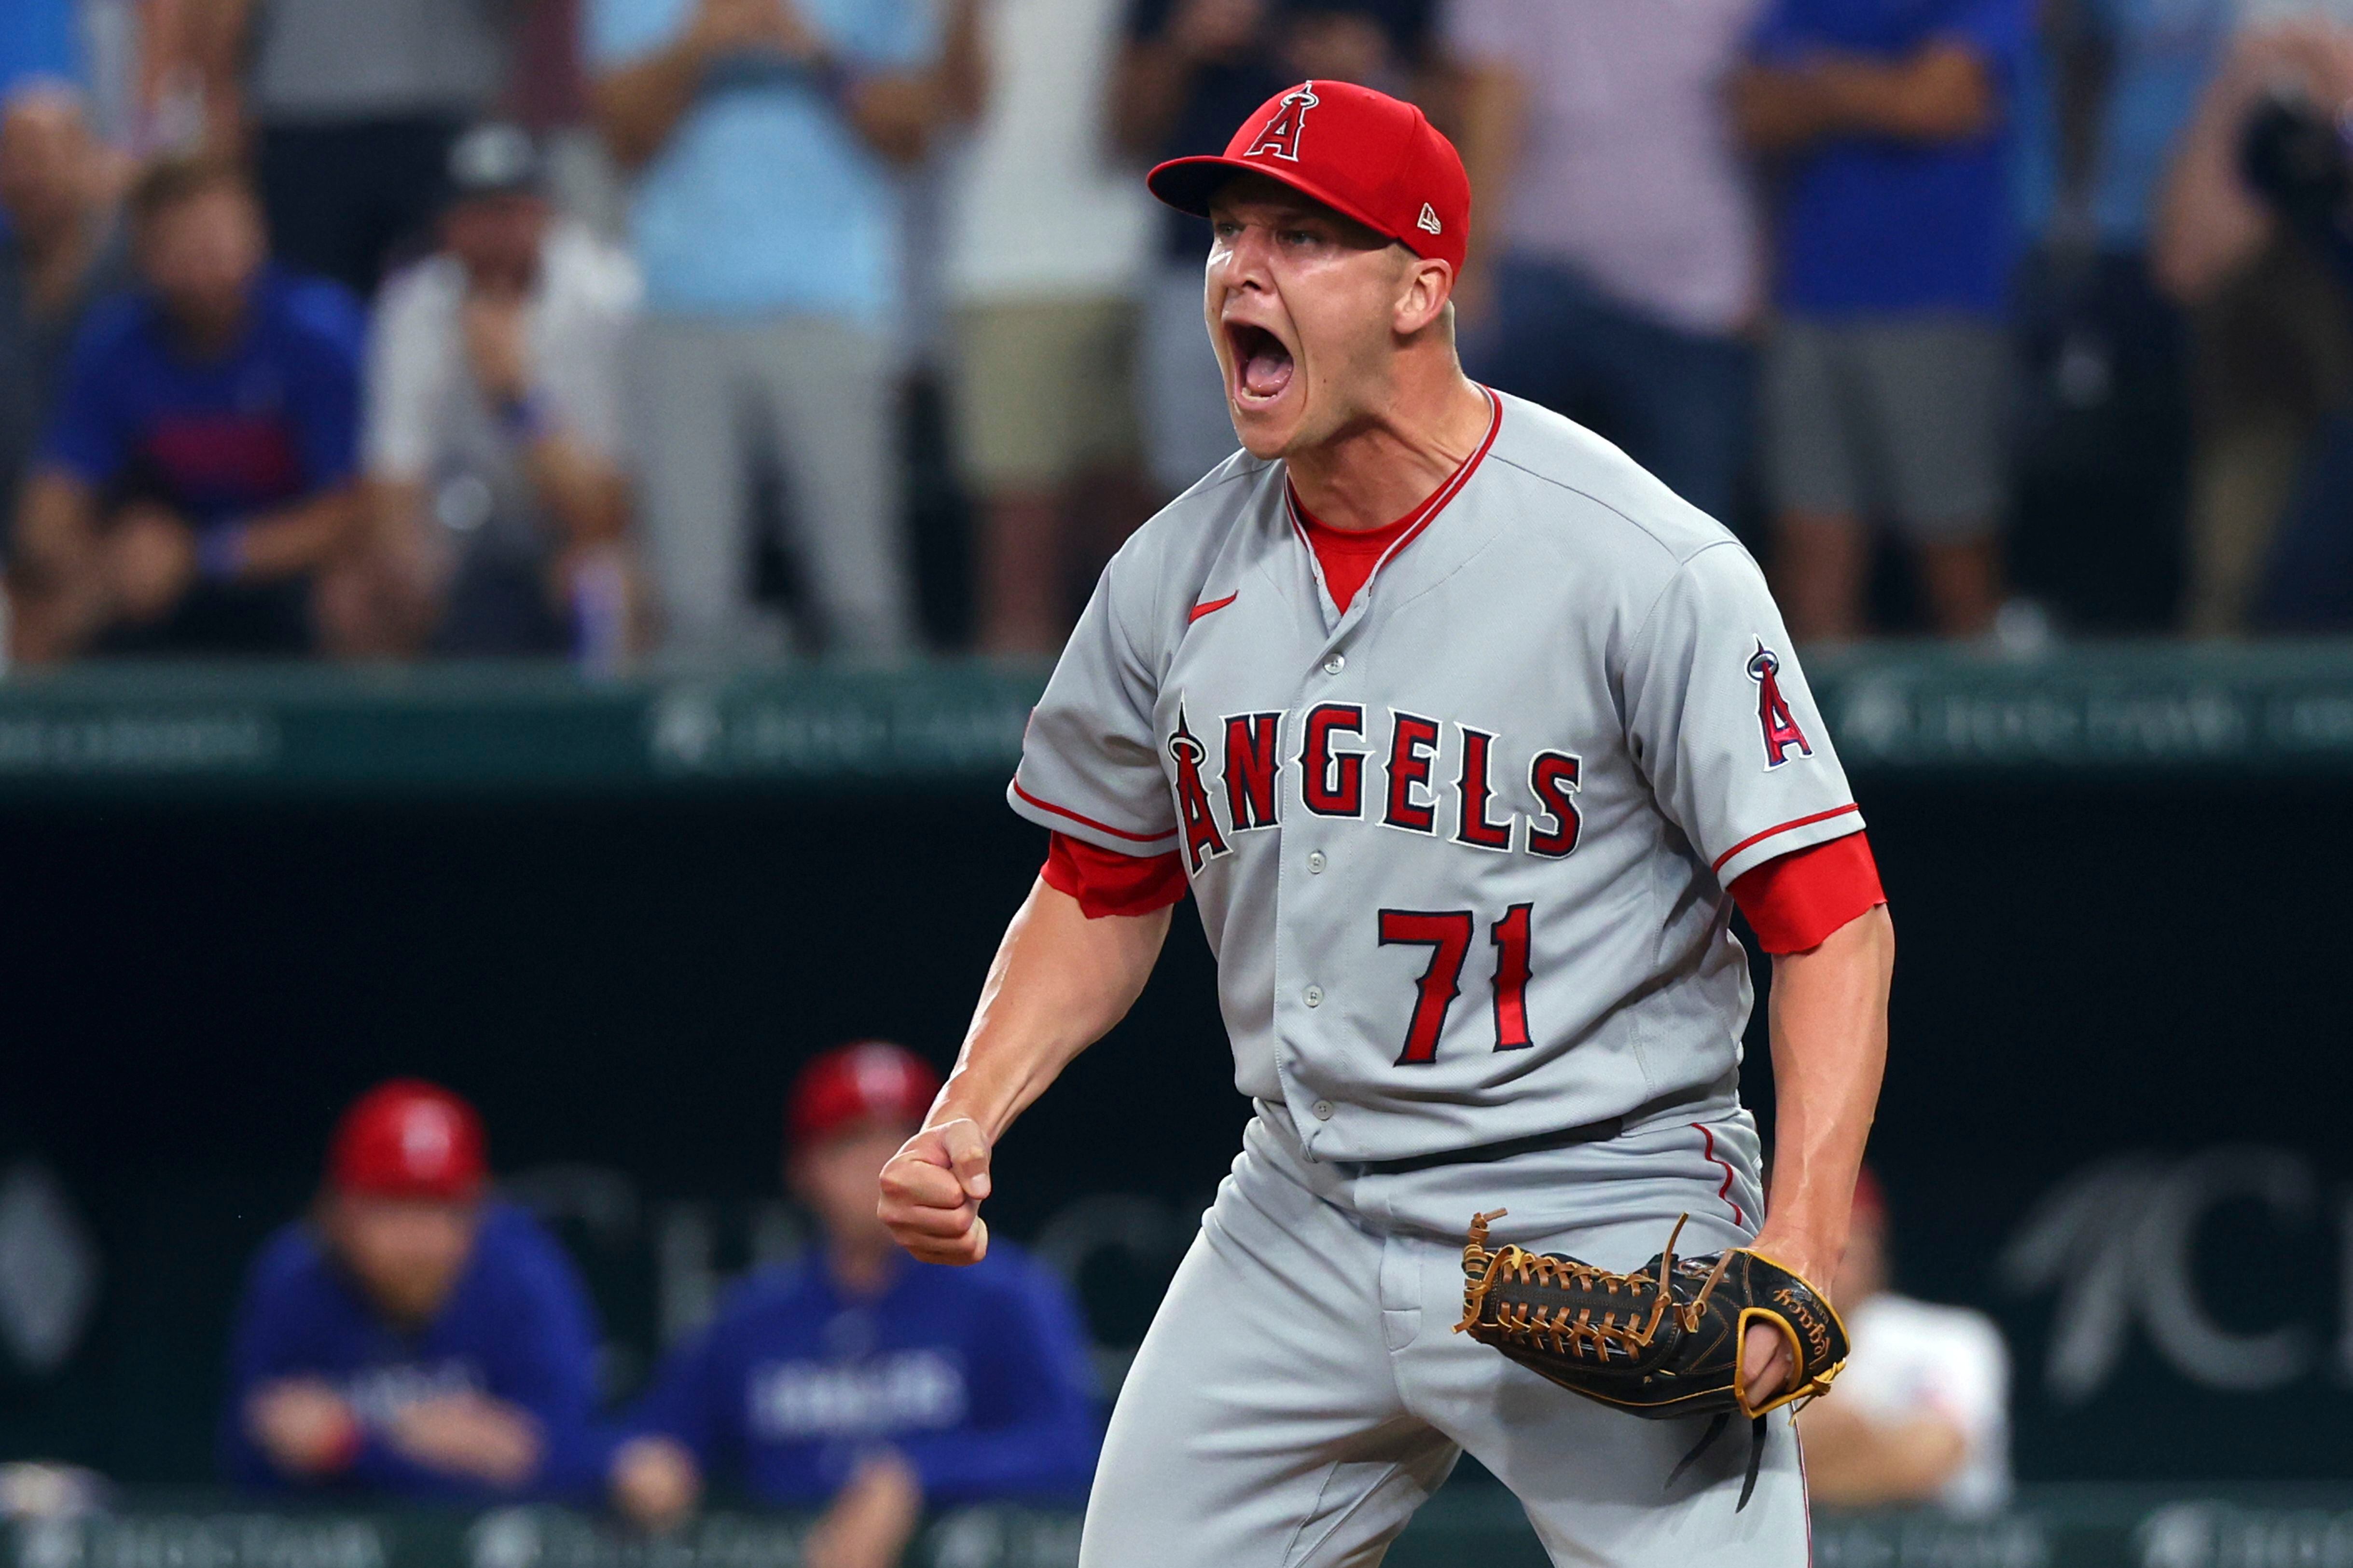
x,y
1425,288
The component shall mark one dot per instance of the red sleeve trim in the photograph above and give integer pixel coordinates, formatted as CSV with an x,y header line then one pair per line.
x,y
1753,838
1099,827
1798,900
1106,882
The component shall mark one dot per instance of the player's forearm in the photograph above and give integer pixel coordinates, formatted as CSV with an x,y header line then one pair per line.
x,y
1058,983
1830,1051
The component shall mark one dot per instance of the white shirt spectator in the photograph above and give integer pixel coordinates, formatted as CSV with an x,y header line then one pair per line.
x,y
428,423
1627,168
1911,1357
1044,209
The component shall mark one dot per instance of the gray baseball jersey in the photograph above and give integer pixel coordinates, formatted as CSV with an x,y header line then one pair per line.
x,y
1461,851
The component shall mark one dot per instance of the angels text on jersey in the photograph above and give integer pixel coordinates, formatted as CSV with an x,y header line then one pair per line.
x,y
1405,770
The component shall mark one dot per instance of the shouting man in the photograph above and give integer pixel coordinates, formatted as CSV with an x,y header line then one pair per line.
x,y
1466,734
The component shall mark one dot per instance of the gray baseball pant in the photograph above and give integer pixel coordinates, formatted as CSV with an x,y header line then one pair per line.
x,y
822,394
1303,1390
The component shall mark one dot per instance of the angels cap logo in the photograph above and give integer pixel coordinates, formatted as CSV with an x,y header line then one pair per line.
x,y
1428,219
1280,137
1772,715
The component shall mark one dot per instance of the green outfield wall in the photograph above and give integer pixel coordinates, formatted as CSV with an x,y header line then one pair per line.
x,y
319,730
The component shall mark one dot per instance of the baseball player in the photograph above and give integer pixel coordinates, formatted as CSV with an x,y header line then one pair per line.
x,y
855,1380
413,1337
1466,734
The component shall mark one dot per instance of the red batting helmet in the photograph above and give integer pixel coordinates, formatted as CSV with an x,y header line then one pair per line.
x,y
409,1139
871,1080
1358,152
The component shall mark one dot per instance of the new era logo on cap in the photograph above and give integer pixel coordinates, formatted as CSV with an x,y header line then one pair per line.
x,y
1372,157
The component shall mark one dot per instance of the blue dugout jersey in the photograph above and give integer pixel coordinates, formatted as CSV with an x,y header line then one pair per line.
x,y
518,1327
977,1376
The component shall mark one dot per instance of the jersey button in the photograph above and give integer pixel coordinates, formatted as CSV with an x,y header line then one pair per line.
x,y
1315,996
1315,861
1335,664
1323,1109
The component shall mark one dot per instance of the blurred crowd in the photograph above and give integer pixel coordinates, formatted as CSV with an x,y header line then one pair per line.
x,y
417,1336
723,329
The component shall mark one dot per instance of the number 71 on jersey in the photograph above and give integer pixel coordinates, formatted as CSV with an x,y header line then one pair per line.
x,y
1447,934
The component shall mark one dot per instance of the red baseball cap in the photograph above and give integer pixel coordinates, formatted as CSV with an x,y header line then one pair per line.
x,y
872,1080
409,1139
1361,152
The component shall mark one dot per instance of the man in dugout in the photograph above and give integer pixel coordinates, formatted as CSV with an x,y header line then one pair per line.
x,y
412,1337
857,1379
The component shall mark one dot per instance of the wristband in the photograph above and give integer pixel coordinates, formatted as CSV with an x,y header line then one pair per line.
x,y
221,552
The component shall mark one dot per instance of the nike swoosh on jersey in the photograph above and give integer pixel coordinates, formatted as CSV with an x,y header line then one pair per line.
x,y
1212,609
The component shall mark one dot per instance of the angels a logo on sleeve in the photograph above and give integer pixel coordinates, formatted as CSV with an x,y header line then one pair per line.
x,y
1280,137
1773,716
1203,842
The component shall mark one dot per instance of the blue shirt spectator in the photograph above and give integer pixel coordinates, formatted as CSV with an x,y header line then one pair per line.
x,y
2157,56
1874,225
858,1381
977,1376
517,1327
274,418
196,486
764,197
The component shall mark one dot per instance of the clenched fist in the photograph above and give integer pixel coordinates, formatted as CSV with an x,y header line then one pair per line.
x,y
932,1191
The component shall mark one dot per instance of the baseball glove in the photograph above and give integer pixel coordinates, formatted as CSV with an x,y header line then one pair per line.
x,y
1665,1342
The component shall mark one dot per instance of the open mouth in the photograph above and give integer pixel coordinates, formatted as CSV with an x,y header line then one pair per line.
x,y
1262,365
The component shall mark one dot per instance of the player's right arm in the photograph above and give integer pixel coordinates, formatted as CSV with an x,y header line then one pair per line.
x,y
1060,981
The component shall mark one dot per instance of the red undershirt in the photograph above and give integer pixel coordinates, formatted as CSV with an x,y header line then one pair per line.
x,y
1793,902
1348,556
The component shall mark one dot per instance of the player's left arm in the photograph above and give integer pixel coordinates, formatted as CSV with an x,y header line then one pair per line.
x,y
1721,717
1829,1022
